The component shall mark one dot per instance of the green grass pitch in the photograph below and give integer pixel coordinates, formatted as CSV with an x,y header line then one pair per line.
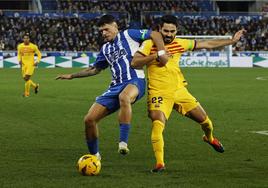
x,y
42,137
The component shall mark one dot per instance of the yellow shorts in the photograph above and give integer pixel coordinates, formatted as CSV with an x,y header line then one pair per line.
x,y
182,102
27,70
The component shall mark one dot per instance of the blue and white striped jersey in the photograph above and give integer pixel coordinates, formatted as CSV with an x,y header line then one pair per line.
x,y
118,55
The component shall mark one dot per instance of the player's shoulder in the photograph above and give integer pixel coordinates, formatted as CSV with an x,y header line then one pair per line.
x,y
180,40
33,45
131,30
136,32
148,42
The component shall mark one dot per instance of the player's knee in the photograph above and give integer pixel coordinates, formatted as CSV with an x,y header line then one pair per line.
x,y
204,118
124,98
156,116
206,123
26,78
89,121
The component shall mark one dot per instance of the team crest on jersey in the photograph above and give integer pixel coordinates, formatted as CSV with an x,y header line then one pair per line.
x,y
157,105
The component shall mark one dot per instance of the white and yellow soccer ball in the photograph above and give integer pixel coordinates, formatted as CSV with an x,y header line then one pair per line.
x,y
89,165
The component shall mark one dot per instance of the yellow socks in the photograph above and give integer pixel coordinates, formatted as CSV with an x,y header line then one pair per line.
x,y
207,128
32,83
27,86
158,141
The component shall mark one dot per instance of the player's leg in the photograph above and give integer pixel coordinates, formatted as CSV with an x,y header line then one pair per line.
x,y
199,115
188,106
158,125
26,92
27,85
126,98
159,111
132,92
30,71
94,115
27,72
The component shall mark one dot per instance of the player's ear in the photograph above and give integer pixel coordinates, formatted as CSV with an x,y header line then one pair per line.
x,y
114,24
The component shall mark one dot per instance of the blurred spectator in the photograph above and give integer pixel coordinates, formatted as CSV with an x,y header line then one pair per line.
x,y
134,7
61,34
264,10
2,45
79,34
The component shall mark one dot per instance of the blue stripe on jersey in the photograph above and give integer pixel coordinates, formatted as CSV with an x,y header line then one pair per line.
x,y
119,54
126,59
106,51
135,47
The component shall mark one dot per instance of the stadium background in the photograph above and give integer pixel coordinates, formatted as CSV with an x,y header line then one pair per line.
x,y
41,138
67,28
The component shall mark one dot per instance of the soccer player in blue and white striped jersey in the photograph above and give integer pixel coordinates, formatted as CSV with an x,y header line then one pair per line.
x,y
127,85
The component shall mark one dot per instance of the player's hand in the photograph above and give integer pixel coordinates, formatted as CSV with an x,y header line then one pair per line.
x,y
64,77
238,35
163,59
20,62
35,63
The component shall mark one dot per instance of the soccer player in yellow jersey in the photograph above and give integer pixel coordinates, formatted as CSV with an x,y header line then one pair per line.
x,y
26,52
166,85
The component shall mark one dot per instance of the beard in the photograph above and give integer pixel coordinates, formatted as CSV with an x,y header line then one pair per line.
x,y
168,39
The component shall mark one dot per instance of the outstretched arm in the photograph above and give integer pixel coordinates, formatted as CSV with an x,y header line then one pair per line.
x,y
139,60
210,44
91,71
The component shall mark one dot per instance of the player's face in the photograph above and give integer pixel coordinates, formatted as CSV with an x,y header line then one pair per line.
x,y
168,32
26,40
109,31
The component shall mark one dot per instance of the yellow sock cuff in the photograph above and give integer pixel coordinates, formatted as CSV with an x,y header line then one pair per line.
x,y
207,121
158,122
207,128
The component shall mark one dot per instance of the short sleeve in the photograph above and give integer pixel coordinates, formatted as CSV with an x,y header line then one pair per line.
x,y
146,47
101,62
189,45
139,35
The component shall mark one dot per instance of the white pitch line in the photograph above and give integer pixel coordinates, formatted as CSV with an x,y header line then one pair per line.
x,y
260,132
262,78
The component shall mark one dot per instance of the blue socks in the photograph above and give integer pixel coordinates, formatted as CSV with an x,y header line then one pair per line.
x,y
93,146
124,130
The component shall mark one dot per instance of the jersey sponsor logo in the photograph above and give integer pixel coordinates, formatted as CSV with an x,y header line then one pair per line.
x,y
116,55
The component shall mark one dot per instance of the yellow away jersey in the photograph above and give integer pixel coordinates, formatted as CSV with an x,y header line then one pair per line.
x,y
26,53
167,78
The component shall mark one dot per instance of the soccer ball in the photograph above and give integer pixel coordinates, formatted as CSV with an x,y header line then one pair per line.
x,y
88,165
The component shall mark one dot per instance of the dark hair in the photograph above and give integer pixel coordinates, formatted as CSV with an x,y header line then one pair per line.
x,y
170,19
26,35
106,19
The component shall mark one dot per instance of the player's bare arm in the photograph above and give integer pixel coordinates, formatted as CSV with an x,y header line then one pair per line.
x,y
159,43
139,60
91,71
210,44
